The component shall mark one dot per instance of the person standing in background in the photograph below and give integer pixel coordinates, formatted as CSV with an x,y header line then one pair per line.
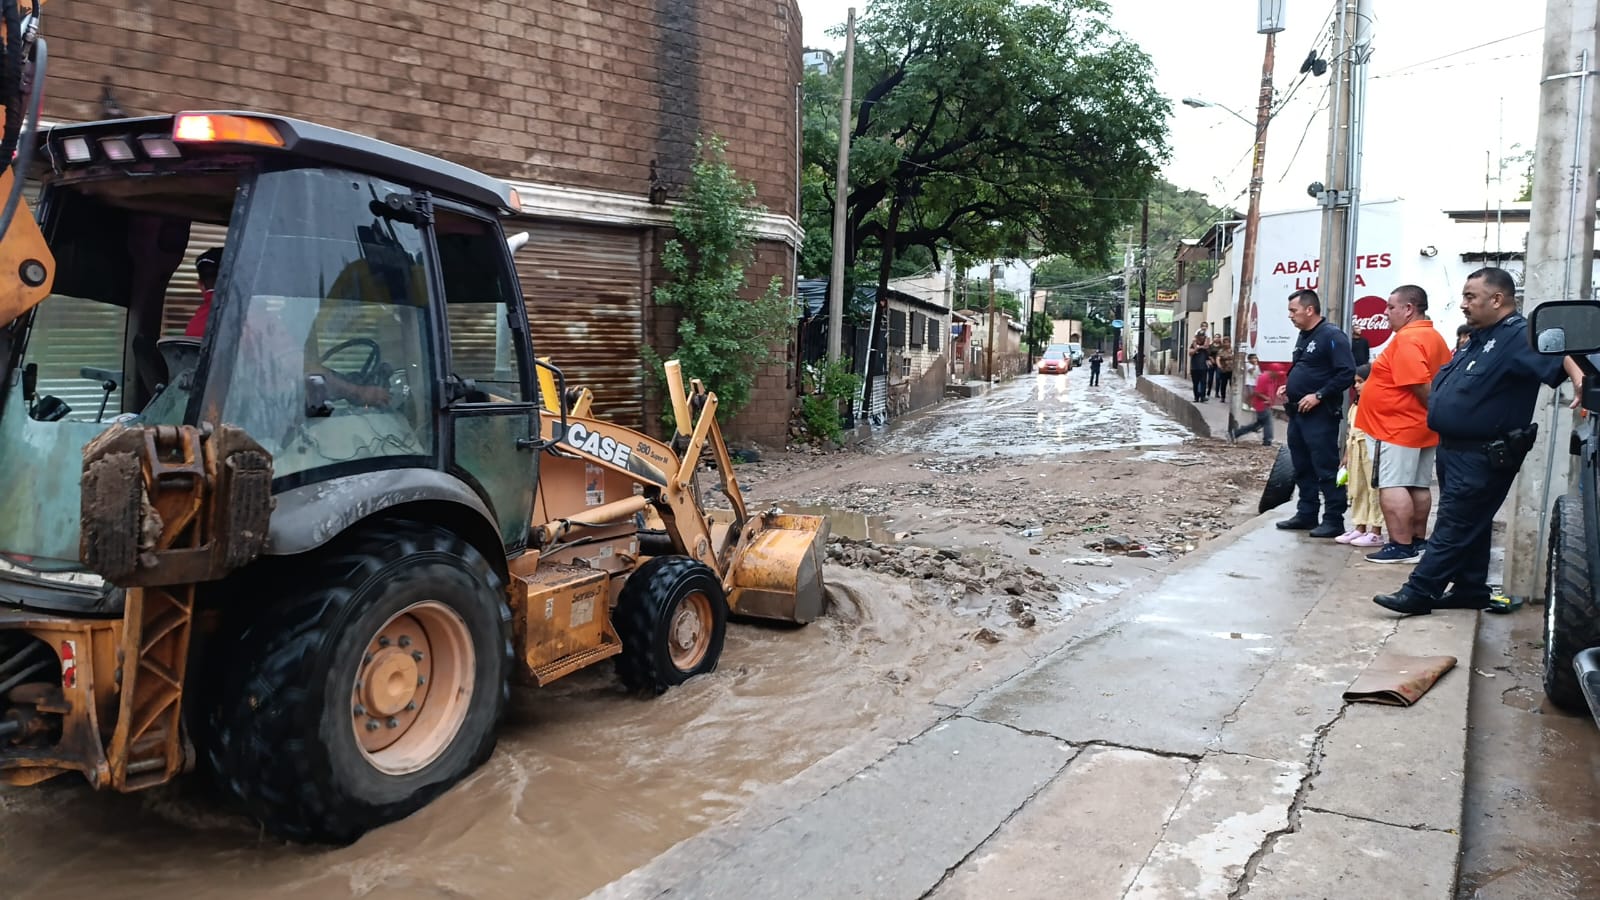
x,y
1199,360
1394,415
1323,369
1224,361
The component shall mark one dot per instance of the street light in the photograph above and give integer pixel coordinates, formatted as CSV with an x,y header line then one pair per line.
x,y
1197,103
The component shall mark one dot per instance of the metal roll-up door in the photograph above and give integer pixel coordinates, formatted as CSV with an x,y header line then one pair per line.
x,y
584,291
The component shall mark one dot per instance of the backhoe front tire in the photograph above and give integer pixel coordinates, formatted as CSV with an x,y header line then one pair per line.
x,y
371,692
672,618
1571,616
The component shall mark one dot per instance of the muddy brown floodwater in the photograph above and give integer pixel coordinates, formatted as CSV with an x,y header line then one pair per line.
x,y
586,784
963,536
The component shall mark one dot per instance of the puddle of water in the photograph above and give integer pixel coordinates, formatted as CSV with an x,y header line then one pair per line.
x,y
1155,619
1523,698
845,523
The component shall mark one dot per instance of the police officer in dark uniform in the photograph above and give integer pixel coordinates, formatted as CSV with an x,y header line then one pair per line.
x,y
1481,405
1323,371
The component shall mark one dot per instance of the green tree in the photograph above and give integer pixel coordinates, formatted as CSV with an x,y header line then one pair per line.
x,y
990,127
724,339
1522,163
1040,329
973,293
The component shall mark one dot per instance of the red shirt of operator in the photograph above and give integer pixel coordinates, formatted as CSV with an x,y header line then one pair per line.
x,y
205,269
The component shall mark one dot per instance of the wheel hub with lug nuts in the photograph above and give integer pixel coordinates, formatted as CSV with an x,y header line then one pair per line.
x,y
412,688
690,634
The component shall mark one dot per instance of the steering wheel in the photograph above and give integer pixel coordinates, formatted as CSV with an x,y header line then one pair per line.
x,y
369,368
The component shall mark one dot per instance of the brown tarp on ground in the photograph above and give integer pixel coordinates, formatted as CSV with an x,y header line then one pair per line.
x,y
1396,680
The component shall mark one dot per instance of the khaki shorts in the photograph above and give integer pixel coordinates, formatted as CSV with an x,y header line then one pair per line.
x,y
1394,466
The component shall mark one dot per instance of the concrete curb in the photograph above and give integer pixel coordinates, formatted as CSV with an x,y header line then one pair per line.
x,y
1181,410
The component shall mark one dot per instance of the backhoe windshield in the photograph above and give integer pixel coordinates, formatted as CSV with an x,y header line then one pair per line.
x,y
326,355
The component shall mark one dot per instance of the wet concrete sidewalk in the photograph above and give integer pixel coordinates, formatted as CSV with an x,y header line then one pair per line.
x,y
1195,744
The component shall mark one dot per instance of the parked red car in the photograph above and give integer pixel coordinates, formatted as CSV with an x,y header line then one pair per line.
x,y
1054,363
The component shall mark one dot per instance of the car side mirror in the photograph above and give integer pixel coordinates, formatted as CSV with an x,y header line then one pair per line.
x,y
1570,328
1565,327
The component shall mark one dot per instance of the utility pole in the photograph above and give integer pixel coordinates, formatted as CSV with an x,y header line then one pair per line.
x,y
989,366
841,189
1117,342
1144,265
1334,257
1360,53
1560,251
1252,224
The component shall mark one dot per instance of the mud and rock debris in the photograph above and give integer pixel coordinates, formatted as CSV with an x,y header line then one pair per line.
x,y
997,587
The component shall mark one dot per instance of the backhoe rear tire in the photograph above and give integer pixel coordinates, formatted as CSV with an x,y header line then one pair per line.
x,y
672,618
359,700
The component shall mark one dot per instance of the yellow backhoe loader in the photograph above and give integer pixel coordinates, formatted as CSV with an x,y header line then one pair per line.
x,y
304,536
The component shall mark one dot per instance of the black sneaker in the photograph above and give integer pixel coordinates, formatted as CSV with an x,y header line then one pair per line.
x,y
1405,603
1327,530
1297,524
1233,436
1420,545
1393,553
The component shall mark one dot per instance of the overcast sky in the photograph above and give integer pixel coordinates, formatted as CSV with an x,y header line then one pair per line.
x,y
1433,111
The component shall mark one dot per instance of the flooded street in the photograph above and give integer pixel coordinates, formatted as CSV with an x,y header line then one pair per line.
x,y
1038,415
588,783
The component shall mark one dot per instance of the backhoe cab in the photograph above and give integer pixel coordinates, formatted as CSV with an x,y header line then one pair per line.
x,y
330,500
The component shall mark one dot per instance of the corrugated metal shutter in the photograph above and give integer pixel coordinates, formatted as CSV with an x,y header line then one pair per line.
x,y
584,291
919,328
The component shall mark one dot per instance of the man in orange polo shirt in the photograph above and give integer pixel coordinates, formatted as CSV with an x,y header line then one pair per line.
x,y
1394,414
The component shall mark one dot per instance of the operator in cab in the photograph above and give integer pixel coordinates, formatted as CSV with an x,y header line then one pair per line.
x,y
339,387
205,270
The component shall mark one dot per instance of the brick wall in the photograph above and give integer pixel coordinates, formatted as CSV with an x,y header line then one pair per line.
x,y
558,91
605,96
766,418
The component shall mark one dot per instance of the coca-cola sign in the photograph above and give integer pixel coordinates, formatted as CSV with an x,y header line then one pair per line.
x,y
1370,319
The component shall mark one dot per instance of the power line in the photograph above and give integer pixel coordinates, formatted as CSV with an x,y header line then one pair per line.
x,y
1499,40
1407,73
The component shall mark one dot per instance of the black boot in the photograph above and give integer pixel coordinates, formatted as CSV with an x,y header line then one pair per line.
x,y
1328,529
1298,523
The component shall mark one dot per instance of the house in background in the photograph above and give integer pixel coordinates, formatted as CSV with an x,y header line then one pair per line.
x,y
915,365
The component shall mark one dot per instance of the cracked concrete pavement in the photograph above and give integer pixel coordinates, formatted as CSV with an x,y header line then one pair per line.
x,y
1197,745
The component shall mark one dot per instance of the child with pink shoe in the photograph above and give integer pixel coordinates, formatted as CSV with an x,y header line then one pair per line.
x,y
1364,509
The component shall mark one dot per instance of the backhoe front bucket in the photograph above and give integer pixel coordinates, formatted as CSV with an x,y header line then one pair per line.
x,y
779,576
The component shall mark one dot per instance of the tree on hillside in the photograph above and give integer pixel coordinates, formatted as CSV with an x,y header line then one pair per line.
x,y
989,127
